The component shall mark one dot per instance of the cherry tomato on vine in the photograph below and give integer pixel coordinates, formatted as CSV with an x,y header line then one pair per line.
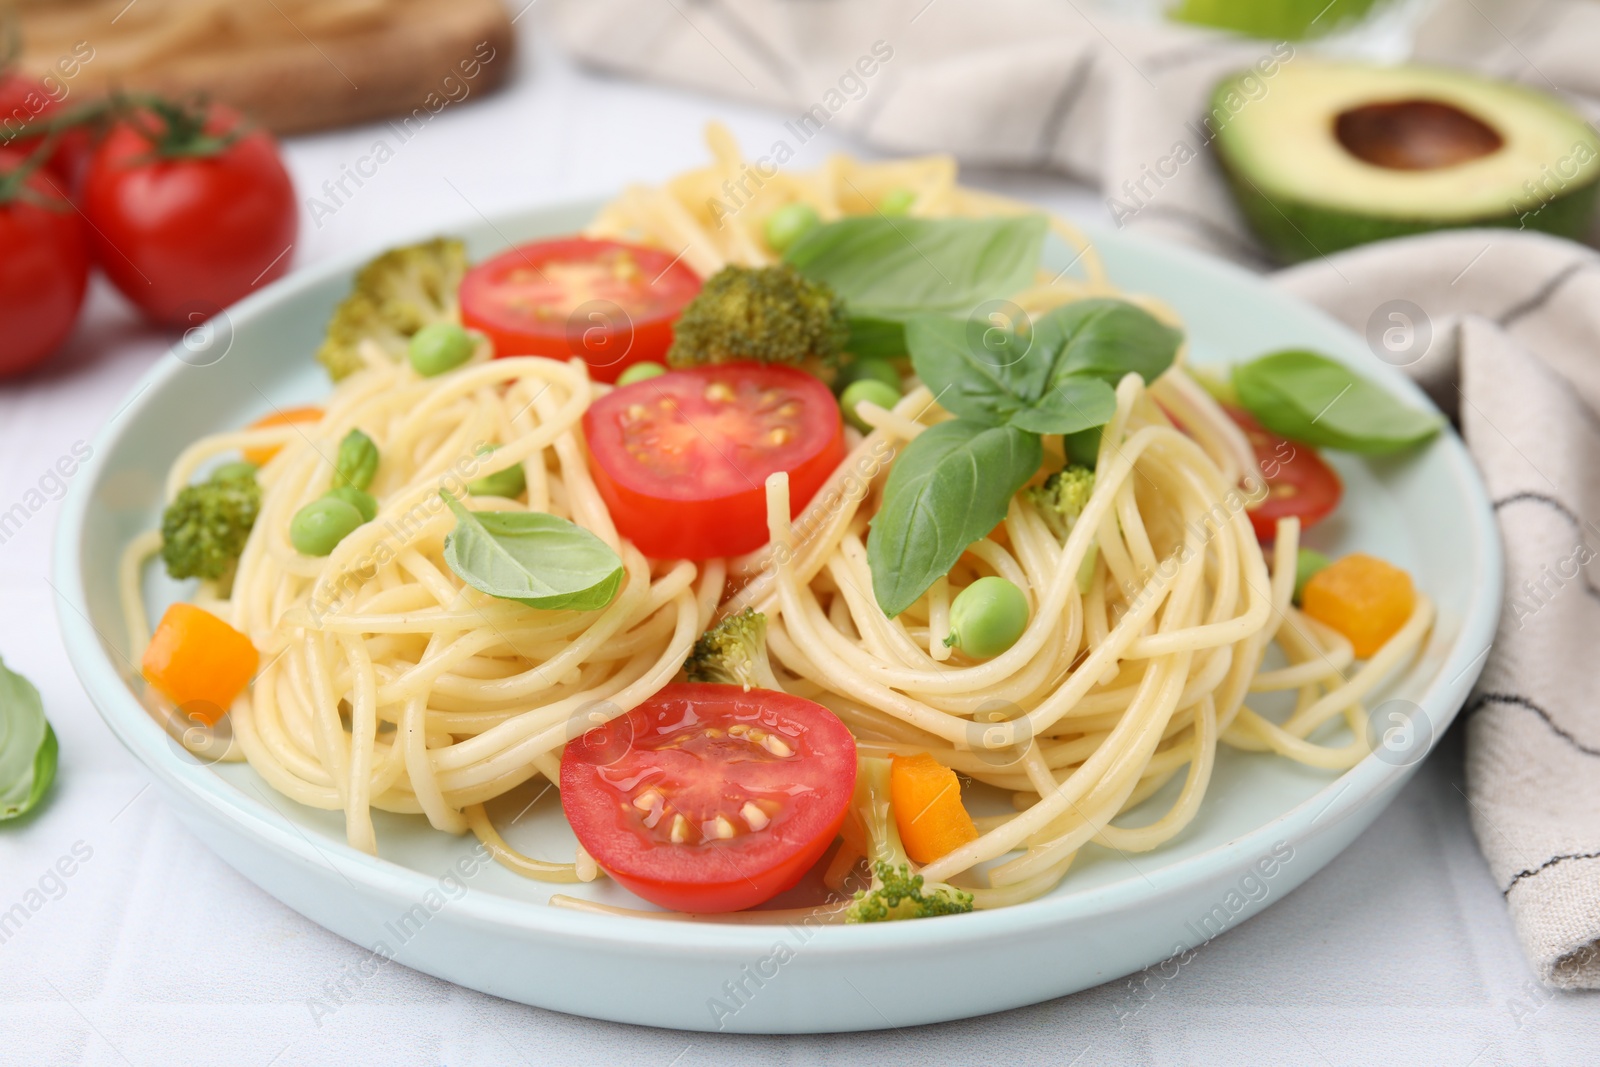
x,y
611,303
27,101
1299,484
682,459
44,265
710,798
193,209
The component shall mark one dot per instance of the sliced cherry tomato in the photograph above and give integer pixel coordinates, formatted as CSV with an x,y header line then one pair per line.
x,y
682,459
190,212
611,303
1299,484
44,266
710,798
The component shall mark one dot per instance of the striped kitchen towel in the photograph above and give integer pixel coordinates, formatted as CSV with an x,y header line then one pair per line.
x,y
1508,339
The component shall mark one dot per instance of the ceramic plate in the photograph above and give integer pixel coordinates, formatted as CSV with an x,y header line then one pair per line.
x,y
1267,824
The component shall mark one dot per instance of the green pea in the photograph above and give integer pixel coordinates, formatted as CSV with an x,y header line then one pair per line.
x,y
438,347
897,201
788,224
863,369
987,617
1306,565
359,499
237,469
885,396
640,372
1086,568
357,462
509,483
317,528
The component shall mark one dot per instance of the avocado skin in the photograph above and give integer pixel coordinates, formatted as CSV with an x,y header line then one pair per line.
x,y
1274,20
1294,231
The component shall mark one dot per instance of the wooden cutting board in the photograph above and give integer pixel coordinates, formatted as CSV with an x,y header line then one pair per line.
x,y
292,65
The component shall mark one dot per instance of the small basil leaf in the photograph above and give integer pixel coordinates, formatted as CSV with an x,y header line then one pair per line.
x,y
950,486
28,748
357,462
1083,448
886,268
1107,339
1319,401
535,559
974,373
1074,405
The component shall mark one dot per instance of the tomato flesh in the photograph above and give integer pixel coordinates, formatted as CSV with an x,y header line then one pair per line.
x,y
710,798
1299,484
682,459
610,303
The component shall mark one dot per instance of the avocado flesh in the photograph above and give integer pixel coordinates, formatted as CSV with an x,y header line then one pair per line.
x,y
1443,150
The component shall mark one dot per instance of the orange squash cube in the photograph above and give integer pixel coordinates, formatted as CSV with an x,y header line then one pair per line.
x,y
1363,598
262,456
927,808
199,662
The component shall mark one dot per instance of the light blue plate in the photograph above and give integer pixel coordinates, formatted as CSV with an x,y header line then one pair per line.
x,y
1266,825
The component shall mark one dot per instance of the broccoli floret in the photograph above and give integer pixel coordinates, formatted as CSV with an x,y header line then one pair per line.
x,y
896,893
204,529
734,652
1062,498
768,314
394,296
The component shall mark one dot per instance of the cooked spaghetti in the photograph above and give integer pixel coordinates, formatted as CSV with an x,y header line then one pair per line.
x,y
389,683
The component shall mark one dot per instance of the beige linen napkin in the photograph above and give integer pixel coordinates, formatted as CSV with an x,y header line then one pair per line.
x,y
1512,344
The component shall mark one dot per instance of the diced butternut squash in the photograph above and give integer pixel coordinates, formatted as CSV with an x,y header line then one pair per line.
x,y
261,456
199,662
927,808
1363,598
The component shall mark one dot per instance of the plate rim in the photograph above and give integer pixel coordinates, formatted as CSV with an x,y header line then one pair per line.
x,y
122,711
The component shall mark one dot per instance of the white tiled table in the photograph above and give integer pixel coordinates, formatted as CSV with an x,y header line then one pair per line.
x,y
157,953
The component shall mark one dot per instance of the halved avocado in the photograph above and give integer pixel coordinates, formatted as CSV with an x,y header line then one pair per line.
x,y
1324,156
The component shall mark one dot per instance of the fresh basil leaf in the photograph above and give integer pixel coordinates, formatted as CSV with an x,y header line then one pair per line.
x,y
1056,379
535,559
950,486
1107,339
357,462
28,748
1319,401
977,373
1083,448
885,268
1072,405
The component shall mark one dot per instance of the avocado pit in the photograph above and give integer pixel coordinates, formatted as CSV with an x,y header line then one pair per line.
x,y
1415,135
